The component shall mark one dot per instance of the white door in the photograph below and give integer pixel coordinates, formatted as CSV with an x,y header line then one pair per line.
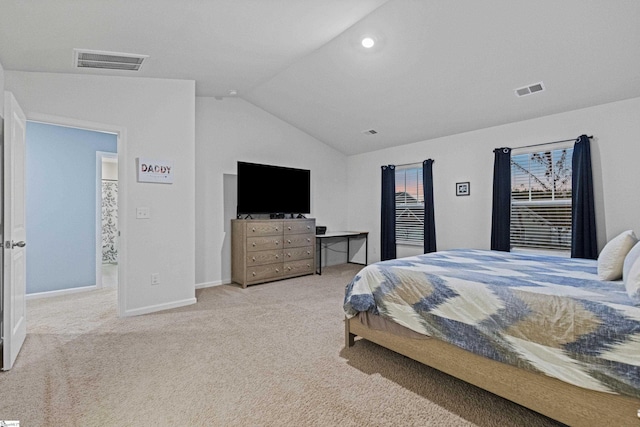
x,y
14,233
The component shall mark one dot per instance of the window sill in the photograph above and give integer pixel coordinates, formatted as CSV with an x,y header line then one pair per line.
x,y
406,243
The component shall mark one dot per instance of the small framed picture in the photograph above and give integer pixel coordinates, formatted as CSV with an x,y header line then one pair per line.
x,y
463,189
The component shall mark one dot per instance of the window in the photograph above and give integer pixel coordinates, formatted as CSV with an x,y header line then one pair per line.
x,y
541,199
409,205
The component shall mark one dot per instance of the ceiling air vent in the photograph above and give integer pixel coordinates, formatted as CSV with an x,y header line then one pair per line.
x,y
107,60
528,90
370,132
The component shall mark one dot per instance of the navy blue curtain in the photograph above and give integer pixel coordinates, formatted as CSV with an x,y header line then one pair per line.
x,y
583,213
388,214
501,215
429,215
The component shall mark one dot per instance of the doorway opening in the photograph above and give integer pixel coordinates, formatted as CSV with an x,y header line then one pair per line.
x,y
107,232
82,249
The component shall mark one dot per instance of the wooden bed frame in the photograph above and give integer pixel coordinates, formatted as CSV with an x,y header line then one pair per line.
x,y
561,401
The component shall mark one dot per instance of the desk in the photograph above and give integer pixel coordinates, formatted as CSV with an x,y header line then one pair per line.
x,y
346,235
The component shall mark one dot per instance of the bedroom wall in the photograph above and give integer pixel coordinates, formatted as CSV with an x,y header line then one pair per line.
x,y
156,117
466,221
1,91
61,205
232,129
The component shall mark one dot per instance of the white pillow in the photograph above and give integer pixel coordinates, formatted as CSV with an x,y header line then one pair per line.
x,y
632,282
629,260
611,259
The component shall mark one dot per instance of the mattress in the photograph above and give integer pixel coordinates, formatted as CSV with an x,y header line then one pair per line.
x,y
541,313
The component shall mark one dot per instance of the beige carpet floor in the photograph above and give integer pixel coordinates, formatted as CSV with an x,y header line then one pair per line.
x,y
268,355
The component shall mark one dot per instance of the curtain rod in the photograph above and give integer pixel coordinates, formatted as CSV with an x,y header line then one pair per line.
x,y
547,143
411,164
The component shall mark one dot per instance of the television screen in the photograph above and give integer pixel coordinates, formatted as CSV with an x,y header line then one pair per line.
x,y
267,189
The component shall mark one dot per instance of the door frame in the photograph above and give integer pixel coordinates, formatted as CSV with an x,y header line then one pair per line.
x,y
100,156
121,134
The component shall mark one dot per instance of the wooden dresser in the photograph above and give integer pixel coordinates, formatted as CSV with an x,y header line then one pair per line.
x,y
271,249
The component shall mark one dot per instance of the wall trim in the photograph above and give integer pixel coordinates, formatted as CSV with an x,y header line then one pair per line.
x,y
57,293
159,307
212,284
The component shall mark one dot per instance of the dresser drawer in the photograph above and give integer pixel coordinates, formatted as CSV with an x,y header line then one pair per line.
x,y
264,272
293,254
298,240
300,227
264,257
264,228
304,266
263,243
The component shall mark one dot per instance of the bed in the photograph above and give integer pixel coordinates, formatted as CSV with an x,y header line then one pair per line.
x,y
539,330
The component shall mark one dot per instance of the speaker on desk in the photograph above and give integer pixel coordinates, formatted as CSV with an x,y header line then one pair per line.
x,y
320,229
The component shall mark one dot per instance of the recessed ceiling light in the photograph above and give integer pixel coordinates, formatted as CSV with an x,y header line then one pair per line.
x,y
368,42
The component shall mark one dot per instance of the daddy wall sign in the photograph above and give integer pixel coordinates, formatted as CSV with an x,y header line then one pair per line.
x,y
150,170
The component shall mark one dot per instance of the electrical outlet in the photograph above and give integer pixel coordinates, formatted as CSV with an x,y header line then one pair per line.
x,y
143,213
155,278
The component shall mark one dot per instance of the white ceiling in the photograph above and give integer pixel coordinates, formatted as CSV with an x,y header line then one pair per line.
x,y
439,67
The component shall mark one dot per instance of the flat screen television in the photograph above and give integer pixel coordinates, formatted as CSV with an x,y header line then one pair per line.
x,y
267,189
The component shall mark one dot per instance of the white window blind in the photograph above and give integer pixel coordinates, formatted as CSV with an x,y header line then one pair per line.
x,y
409,205
541,199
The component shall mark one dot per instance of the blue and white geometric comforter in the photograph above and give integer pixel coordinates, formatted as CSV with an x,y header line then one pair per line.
x,y
542,313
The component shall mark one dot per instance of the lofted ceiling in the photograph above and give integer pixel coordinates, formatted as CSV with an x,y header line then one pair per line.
x,y
438,67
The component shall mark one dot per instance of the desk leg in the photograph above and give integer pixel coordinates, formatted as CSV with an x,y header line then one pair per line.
x,y
366,249
319,271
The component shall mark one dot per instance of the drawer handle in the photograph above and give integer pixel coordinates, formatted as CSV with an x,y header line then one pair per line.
x,y
309,239
289,268
308,252
254,244
253,229
277,242
308,227
289,227
277,256
253,258
289,254
276,228
254,273
277,270
288,240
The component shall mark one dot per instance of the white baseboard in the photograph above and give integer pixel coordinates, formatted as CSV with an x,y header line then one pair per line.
x,y
60,292
211,284
159,307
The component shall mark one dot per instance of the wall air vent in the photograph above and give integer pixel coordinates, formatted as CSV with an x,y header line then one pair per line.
x,y
107,60
370,132
528,90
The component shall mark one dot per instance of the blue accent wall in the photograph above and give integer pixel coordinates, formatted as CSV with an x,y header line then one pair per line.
x,y
61,205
